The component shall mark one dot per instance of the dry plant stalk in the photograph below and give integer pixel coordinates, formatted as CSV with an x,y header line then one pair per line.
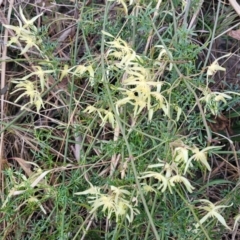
x,y
235,5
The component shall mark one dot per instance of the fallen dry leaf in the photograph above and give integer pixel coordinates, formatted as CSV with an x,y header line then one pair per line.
x,y
234,34
25,165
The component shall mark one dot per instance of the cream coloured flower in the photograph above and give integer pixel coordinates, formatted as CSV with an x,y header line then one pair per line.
x,y
201,156
237,219
214,67
29,89
181,179
29,23
92,190
26,32
181,154
213,100
114,203
147,188
212,211
164,184
105,115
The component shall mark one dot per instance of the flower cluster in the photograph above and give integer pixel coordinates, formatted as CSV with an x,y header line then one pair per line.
x,y
181,155
30,89
105,115
26,33
115,202
214,100
142,95
171,173
139,87
21,184
78,70
167,177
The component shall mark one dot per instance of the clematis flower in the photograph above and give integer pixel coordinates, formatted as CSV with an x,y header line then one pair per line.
x,y
141,97
18,30
105,201
29,23
213,100
92,190
138,102
31,41
32,200
212,211
147,188
115,202
167,168
41,74
36,179
216,96
168,180
119,192
25,32
236,218
105,115
163,53
109,117
179,179
200,155
99,200
160,177
139,83
81,69
214,67
181,154
121,50
23,29
31,91
124,208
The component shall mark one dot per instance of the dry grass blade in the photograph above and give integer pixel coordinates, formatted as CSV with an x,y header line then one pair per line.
x,y
235,5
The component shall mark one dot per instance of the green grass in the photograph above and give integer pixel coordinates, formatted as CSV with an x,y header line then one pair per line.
x,y
114,127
